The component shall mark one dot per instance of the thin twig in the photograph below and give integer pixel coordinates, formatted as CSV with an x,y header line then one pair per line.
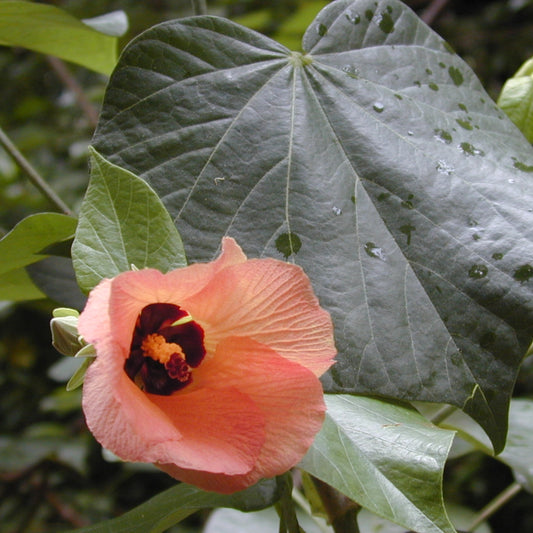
x,y
199,7
430,14
66,512
285,505
72,84
498,502
34,176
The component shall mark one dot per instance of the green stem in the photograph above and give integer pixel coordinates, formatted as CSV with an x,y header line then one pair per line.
x,y
34,176
285,505
72,84
496,504
199,7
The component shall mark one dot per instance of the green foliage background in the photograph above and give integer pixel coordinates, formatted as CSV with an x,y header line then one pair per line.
x,y
44,490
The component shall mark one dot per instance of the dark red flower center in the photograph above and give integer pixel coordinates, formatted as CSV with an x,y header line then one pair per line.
x,y
166,345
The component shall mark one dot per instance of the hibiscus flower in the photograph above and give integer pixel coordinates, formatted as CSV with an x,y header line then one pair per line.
x,y
209,371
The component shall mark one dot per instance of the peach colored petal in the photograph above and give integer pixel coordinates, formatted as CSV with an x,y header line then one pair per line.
x,y
119,414
219,431
289,396
131,291
94,322
255,402
223,430
272,302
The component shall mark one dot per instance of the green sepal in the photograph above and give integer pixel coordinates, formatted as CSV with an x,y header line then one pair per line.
x,y
77,378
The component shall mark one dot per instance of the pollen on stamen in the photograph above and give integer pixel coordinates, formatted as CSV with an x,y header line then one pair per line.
x,y
156,347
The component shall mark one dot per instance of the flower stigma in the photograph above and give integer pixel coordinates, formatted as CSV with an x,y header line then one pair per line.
x,y
167,344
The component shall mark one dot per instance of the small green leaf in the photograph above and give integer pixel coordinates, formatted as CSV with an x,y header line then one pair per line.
x,y
87,351
122,221
50,30
516,99
17,286
386,457
170,507
77,378
23,246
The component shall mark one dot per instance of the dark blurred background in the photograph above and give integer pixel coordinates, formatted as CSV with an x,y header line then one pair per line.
x,y
53,476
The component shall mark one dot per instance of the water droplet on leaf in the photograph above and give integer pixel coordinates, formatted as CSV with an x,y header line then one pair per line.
x,y
369,14
433,86
337,210
497,256
322,30
407,229
443,136
468,149
354,18
408,204
386,24
523,273
374,251
378,107
522,166
444,168
288,244
448,47
464,124
353,72
478,271
456,76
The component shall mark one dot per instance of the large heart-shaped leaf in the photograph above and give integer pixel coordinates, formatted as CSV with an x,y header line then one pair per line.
x,y
375,160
